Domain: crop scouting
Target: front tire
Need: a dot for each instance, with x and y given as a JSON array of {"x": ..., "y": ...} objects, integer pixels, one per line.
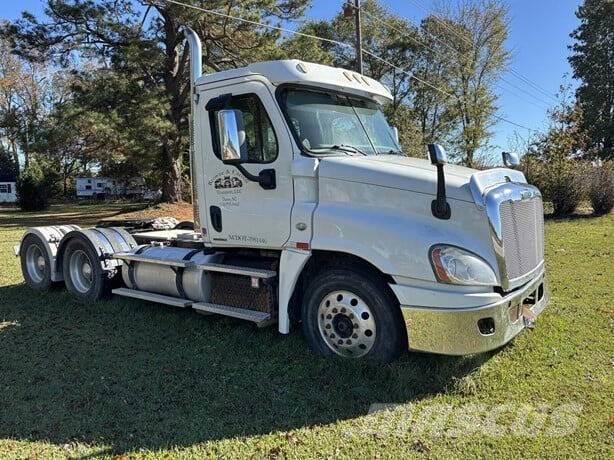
[
  {"x": 352, "y": 315},
  {"x": 83, "y": 275}
]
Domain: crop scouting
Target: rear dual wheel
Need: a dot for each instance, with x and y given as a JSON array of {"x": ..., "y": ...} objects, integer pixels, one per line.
[
  {"x": 35, "y": 263},
  {"x": 83, "y": 275}
]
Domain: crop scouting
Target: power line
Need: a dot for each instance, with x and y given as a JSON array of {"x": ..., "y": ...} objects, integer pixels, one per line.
[
  {"x": 447, "y": 93},
  {"x": 336, "y": 42},
  {"x": 455, "y": 51},
  {"x": 255, "y": 23},
  {"x": 466, "y": 40}
]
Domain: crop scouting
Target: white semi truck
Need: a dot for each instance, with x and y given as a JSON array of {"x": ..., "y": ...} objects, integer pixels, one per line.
[{"x": 308, "y": 212}]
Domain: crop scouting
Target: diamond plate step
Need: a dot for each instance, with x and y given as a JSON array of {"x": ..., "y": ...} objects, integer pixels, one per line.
[
  {"x": 158, "y": 298},
  {"x": 260, "y": 318}
]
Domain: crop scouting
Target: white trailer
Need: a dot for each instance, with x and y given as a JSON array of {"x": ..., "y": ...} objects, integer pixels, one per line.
[
  {"x": 103, "y": 187},
  {"x": 8, "y": 189},
  {"x": 307, "y": 212}
]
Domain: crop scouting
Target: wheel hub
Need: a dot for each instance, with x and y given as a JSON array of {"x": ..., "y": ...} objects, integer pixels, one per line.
[
  {"x": 35, "y": 263},
  {"x": 81, "y": 272},
  {"x": 343, "y": 325},
  {"x": 346, "y": 324},
  {"x": 40, "y": 262}
]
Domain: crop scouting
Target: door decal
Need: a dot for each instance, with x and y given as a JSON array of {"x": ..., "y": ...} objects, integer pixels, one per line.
[{"x": 228, "y": 185}]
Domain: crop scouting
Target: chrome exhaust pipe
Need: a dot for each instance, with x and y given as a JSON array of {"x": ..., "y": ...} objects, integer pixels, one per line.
[{"x": 196, "y": 53}]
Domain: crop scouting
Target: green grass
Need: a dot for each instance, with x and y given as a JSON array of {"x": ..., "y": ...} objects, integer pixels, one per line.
[{"x": 144, "y": 380}]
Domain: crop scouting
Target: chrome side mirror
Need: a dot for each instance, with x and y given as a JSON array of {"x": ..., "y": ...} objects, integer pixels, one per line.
[
  {"x": 231, "y": 136},
  {"x": 510, "y": 159},
  {"x": 437, "y": 154}
]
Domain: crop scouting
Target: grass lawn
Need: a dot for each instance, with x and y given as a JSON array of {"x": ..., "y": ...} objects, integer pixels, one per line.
[{"x": 144, "y": 380}]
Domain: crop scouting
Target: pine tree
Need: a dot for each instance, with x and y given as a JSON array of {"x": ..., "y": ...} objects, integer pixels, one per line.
[{"x": 593, "y": 63}]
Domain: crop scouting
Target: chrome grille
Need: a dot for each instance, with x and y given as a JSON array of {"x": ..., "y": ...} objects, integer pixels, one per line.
[{"x": 522, "y": 235}]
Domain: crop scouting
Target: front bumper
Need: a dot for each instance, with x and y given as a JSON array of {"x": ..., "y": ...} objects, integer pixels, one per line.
[{"x": 463, "y": 331}]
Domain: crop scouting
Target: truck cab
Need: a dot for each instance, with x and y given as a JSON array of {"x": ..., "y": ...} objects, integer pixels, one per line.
[{"x": 302, "y": 191}]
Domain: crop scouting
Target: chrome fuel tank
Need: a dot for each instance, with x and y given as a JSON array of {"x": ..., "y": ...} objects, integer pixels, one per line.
[{"x": 188, "y": 283}]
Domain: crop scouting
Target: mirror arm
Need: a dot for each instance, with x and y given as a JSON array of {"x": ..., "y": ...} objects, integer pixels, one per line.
[
  {"x": 266, "y": 178},
  {"x": 439, "y": 206}
]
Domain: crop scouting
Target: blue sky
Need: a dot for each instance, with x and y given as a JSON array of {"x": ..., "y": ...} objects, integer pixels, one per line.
[{"x": 539, "y": 35}]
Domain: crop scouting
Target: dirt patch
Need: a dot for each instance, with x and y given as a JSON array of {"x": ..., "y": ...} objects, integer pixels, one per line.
[{"x": 180, "y": 211}]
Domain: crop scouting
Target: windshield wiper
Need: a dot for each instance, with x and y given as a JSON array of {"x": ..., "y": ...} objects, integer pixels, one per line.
[
  {"x": 347, "y": 148},
  {"x": 391, "y": 152}
]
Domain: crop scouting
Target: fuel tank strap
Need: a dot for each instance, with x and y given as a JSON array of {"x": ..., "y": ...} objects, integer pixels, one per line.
[
  {"x": 131, "y": 267},
  {"x": 179, "y": 273}
]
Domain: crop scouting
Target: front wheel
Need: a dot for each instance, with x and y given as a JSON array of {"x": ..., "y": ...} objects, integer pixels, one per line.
[{"x": 352, "y": 315}]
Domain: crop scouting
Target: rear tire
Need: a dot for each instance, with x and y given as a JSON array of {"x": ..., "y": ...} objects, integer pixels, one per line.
[
  {"x": 352, "y": 315},
  {"x": 83, "y": 275},
  {"x": 35, "y": 263}
]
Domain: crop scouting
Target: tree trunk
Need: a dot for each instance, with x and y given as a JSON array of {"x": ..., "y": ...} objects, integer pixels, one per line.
[
  {"x": 171, "y": 182},
  {"x": 177, "y": 93}
]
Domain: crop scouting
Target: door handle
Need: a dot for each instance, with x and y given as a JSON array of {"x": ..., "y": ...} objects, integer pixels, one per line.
[
  {"x": 216, "y": 218},
  {"x": 266, "y": 178}
]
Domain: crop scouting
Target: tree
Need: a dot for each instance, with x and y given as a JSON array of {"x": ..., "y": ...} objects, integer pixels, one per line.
[
  {"x": 32, "y": 189},
  {"x": 434, "y": 103},
  {"x": 475, "y": 33},
  {"x": 593, "y": 63},
  {"x": 139, "y": 44},
  {"x": 390, "y": 52},
  {"x": 10, "y": 78},
  {"x": 26, "y": 97},
  {"x": 309, "y": 49},
  {"x": 554, "y": 165},
  {"x": 8, "y": 167}
]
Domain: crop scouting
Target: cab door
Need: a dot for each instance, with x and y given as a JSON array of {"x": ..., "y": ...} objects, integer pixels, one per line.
[{"x": 240, "y": 211}]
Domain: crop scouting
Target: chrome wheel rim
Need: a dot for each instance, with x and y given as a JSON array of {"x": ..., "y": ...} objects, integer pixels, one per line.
[
  {"x": 346, "y": 324},
  {"x": 81, "y": 271},
  {"x": 35, "y": 263}
]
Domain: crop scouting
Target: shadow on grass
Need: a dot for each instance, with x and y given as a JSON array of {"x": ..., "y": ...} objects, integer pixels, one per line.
[
  {"x": 64, "y": 215},
  {"x": 131, "y": 375}
]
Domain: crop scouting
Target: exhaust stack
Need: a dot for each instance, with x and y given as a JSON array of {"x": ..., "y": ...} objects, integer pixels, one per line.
[{"x": 195, "y": 72}]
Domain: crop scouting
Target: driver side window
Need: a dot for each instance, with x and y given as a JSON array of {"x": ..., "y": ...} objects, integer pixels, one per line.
[{"x": 260, "y": 137}]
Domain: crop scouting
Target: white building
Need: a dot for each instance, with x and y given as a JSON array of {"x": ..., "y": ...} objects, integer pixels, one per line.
[{"x": 8, "y": 189}]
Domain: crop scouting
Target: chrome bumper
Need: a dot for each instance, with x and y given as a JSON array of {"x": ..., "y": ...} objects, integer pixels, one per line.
[{"x": 463, "y": 331}]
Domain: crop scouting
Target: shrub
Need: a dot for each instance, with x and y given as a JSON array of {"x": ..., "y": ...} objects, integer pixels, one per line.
[
  {"x": 601, "y": 188},
  {"x": 32, "y": 189},
  {"x": 563, "y": 185},
  {"x": 534, "y": 171}
]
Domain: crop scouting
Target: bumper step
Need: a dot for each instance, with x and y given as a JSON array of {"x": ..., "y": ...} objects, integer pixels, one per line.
[
  {"x": 261, "y": 319},
  {"x": 158, "y": 298}
]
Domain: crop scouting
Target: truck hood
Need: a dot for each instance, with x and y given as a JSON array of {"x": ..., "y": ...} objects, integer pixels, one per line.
[{"x": 399, "y": 172}]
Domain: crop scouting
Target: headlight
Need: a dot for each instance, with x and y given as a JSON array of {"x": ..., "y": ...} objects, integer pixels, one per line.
[{"x": 456, "y": 266}]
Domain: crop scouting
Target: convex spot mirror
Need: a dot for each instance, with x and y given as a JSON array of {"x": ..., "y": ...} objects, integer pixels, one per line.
[
  {"x": 437, "y": 154},
  {"x": 510, "y": 159},
  {"x": 231, "y": 135}
]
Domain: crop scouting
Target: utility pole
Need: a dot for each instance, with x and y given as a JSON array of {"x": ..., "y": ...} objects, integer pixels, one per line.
[{"x": 358, "y": 37}]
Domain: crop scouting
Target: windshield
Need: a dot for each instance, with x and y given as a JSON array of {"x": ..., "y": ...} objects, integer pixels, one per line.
[{"x": 328, "y": 122}]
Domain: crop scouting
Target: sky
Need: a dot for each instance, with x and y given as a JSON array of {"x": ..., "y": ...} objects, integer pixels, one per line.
[{"x": 539, "y": 36}]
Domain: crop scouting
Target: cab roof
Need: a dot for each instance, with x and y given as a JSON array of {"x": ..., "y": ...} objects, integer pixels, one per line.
[{"x": 294, "y": 71}]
